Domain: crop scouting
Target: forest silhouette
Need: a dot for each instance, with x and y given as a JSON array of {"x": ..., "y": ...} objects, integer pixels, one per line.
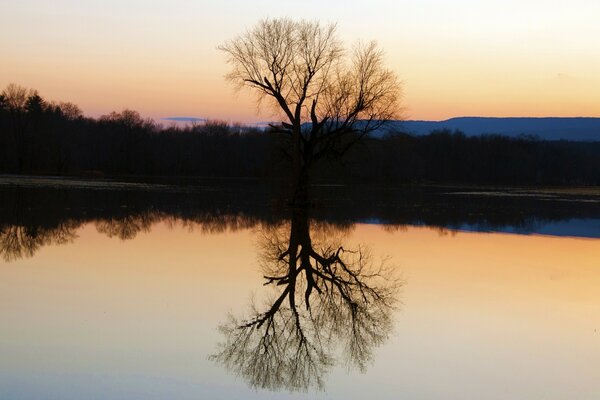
[{"x": 48, "y": 138}]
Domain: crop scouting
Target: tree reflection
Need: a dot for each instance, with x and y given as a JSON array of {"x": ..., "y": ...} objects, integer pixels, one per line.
[
  {"x": 18, "y": 241},
  {"x": 127, "y": 226},
  {"x": 327, "y": 299}
]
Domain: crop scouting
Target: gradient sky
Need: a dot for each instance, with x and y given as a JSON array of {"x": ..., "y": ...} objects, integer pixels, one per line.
[{"x": 486, "y": 58}]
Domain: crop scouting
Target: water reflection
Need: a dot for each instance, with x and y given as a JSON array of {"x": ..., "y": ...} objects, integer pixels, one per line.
[
  {"x": 325, "y": 298},
  {"x": 31, "y": 218},
  {"x": 128, "y": 226},
  {"x": 18, "y": 241},
  {"x": 150, "y": 307}
]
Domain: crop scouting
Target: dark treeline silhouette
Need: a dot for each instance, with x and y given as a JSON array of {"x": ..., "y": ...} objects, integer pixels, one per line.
[
  {"x": 445, "y": 156},
  {"x": 28, "y": 223},
  {"x": 41, "y": 137}
]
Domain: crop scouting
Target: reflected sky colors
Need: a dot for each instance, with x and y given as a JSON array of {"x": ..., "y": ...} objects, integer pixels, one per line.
[
  {"x": 483, "y": 315},
  {"x": 493, "y": 58}
]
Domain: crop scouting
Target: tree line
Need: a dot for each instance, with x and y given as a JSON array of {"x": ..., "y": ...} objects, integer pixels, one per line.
[
  {"x": 28, "y": 224},
  {"x": 42, "y": 137},
  {"x": 452, "y": 157},
  {"x": 38, "y": 136}
]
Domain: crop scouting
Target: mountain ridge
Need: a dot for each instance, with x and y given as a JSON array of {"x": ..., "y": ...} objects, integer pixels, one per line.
[
  {"x": 547, "y": 128},
  {"x": 581, "y": 129}
]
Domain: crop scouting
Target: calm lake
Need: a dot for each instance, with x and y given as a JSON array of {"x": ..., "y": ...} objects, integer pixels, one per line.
[{"x": 131, "y": 291}]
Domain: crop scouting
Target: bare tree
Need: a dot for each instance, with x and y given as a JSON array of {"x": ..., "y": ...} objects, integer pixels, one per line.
[
  {"x": 70, "y": 110},
  {"x": 16, "y": 102},
  {"x": 326, "y": 298},
  {"x": 16, "y": 96},
  {"x": 328, "y": 97}
]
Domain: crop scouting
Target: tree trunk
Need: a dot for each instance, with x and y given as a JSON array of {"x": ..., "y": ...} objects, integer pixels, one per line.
[{"x": 300, "y": 176}]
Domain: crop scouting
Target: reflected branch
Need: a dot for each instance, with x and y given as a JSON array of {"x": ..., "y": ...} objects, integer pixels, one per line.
[{"x": 326, "y": 298}]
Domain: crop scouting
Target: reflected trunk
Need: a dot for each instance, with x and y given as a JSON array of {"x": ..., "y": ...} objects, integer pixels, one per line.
[{"x": 326, "y": 298}]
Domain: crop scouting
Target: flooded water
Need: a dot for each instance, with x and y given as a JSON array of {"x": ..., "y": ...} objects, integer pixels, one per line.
[{"x": 209, "y": 294}]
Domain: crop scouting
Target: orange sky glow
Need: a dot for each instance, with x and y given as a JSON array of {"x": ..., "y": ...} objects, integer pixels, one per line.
[{"x": 464, "y": 58}]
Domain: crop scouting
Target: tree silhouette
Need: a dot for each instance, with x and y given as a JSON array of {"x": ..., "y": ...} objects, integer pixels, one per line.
[
  {"x": 23, "y": 235},
  {"x": 128, "y": 226},
  {"x": 18, "y": 241},
  {"x": 3, "y": 102},
  {"x": 39, "y": 137},
  {"x": 329, "y": 98},
  {"x": 16, "y": 102},
  {"x": 328, "y": 298}
]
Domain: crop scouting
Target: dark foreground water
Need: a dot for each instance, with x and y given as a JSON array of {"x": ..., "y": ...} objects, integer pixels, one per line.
[{"x": 128, "y": 291}]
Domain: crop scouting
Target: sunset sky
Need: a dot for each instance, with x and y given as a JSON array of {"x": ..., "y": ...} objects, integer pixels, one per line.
[{"x": 459, "y": 58}]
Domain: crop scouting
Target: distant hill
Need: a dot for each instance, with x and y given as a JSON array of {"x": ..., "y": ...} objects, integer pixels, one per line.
[
  {"x": 552, "y": 128},
  {"x": 581, "y": 129},
  {"x": 184, "y": 120}
]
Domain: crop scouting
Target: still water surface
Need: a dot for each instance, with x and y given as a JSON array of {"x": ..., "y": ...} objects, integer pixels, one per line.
[{"x": 131, "y": 309}]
